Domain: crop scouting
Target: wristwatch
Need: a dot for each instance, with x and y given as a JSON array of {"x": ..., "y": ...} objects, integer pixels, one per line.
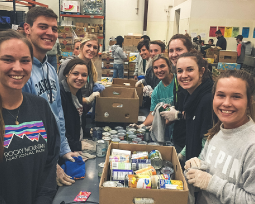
[{"x": 179, "y": 115}]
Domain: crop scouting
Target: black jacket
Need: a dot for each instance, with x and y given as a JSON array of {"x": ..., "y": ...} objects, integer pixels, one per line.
[
  {"x": 198, "y": 109},
  {"x": 222, "y": 43},
  {"x": 72, "y": 118},
  {"x": 150, "y": 78}
]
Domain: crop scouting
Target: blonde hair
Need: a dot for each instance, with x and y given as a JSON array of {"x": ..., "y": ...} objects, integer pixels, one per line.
[
  {"x": 250, "y": 90},
  {"x": 91, "y": 67}
]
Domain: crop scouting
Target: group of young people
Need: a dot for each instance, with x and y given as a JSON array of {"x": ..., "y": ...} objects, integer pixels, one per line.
[{"x": 42, "y": 114}]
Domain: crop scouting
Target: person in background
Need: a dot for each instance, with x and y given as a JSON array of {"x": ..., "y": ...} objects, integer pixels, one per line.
[
  {"x": 193, "y": 75},
  {"x": 77, "y": 43},
  {"x": 225, "y": 171},
  {"x": 210, "y": 42},
  {"x": 199, "y": 37},
  {"x": 76, "y": 73},
  {"x": 88, "y": 50},
  {"x": 145, "y": 37},
  {"x": 29, "y": 136},
  {"x": 52, "y": 54},
  {"x": 119, "y": 56},
  {"x": 41, "y": 30},
  {"x": 21, "y": 29},
  {"x": 196, "y": 44},
  {"x": 143, "y": 59},
  {"x": 178, "y": 45},
  {"x": 240, "y": 50},
  {"x": 205, "y": 47},
  {"x": 222, "y": 43}
]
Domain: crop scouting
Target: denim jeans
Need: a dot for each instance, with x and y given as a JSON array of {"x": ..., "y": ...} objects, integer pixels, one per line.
[
  {"x": 118, "y": 71},
  {"x": 52, "y": 59}
]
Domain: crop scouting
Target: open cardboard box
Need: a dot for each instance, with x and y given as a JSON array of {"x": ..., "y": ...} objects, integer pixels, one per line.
[
  {"x": 123, "y": 83},
  {"x": 113, "y": 195},
  {"x": 228, "y": 56},
  {"x": 117, "y": 104}
]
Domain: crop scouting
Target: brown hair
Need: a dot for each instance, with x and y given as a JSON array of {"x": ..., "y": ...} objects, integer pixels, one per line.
[
  {"x": 91, "y": 67},
  {"x": 162, "y": 56},
  {"x": 72, "y": 63},
  {"x": 35, "y": 12},
  {"x": 160, "y": 44},
  {"x": 250, "y": 90},
  {"x": 200, "y": 62},
  {"x": 186, "y": 41}
]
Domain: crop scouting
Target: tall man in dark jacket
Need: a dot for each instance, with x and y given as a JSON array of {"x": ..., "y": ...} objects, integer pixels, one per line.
[{"x": 221, "y": 40}]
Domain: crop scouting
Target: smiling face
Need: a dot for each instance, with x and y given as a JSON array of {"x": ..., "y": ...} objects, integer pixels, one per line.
[
  {"x": 145, "y": 54},
  {"x": 176, "y": 48},
  {"x": 90, "y": 49},
  {"x": 188, "y": 74},
  {"x": 15, "y": 64},
  {"x": 76, "y": 50},
  {"x": 154, "y": 50},
  {"x": 230, "y": 102},
  {"x": 77, "y": 77},
  {"x": 161, "y": 69}
]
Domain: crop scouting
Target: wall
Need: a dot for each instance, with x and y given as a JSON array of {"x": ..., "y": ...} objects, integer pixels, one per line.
[{"x": 234, "y": 13}]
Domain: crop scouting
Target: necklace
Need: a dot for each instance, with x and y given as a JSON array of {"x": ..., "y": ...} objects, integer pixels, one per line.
[{"x": 16, "y": 121}]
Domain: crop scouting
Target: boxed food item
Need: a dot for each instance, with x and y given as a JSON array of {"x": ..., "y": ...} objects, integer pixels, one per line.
[
  {"x": 126, "y": 66},
  {"x": 136, "y": 39},
  {"x": 209, "y": 60},
  {"x": 65, "y": 41},
  {"x": 71, "y": 6},
  {"x": 107, "y": 64},
  {"x": 129, "y": 83},
  {"x": 107, "y": 72},
  {"x": 117, "y": 104},
  {"x": 116, "y": 194},
  {"x": 65, "y": 35},
  {"x": 125, "y": 73},
  {"x": 131, "y": 66},
  {"x": 65, "y": 29},
  {"x": 107, "y": 56},
  {"x": 213, "y": 52},
  {"x": 228, "y": 56},
  {"x": 130, "y": 48},
  {"x": 66, "y": 54},
  {"x": 231, "y": 66},
  {"x": 133, "y": 56},
  {"x": 66, "y": 48},
  {"x": 128, "y": 40}
]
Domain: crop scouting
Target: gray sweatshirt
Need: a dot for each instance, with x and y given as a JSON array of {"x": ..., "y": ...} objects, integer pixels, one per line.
[
  {"x": 118, "y": 54},
  {"x": 230, "y": 155}
]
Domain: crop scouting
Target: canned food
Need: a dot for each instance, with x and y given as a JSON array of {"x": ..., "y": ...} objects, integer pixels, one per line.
[
  {"x": 101, "y": 148},
  {"x": 140, "y": 133},
  {"x": 114, "y": 136},
  {"x": 123, "y": 142},
  {"x": 121, "y": 136},
  {"x": 122, "y": 131},
  {"x": 107, "y": 141},
  {"x": 165, "y": 107},
  {"x": 130, "y": 137},
  {"x": 113, "y": 132},
  {"x": 120, "y": 185},
  {"x": 132, "y": 130},
  {"x": 154, "y": 143},
  {"x": 147, "y": 137},
  {"x": 106, "y": 134},
  {"x": 129, "y": 133},
  {"x": 156, "y": 159},
  {"x": 97, "y": 133},
  {"x": 100, "y": 169},
  {"x": 109, "y": 184},
  {"x": 136, "y": 140},
  {"x": 118, "y": 128},
  {"x": 107, "y": 128},
  {"x": 115, "y": 140},
  {"x": 142, "y": 142},
  {"x": 132, "y": 142}
]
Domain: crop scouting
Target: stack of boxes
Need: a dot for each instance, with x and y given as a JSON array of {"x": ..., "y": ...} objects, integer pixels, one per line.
[
  {"x": 131, "y": 64},
  {"x": 227, "y": 60},
  {"x": 96, "y": 29},
  {"x": 107, "y": 65},
  {"x": 130, "y": 42},
  {"x": 65, "y": 36}
]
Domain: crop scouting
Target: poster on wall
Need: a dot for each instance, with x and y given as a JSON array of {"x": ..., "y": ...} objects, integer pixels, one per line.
[
  {"x": 254, "y": 33},
  {"x": 235, "y": 32},
  {"x": 228, "y": 32},
  {"x": 245, "y": 32},
  {"x": 222, "y": 29},
  {"x": 212, "y": 31}
]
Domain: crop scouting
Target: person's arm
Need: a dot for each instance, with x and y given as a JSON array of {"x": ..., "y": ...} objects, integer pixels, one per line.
[
  {"x": 121, "y": 53},
  {"x": 47, "y": 186},
  {"x": 239, "y": 46},
  {"x": 148, "y": 120},
  {"x": 228, "y": 192}
]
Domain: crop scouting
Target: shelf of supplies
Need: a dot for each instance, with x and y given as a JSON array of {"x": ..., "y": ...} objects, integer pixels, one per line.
[{"x": 81, "y": 16}]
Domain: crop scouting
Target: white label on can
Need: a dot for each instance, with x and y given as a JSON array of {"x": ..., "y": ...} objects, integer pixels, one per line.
[{"x": 106, "y": 114}]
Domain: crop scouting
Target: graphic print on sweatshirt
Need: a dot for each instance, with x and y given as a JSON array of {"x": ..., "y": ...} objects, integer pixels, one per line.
[
  {"x": 23, "y": 140},
  {"x": 44, "y": 86}
]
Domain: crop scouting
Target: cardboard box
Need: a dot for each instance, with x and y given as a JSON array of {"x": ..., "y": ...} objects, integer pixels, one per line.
[
  {"x": 71, "y": 6},
  {"x": 226, "y": 66},
  {"x": 66, "y": 48},
  {"x": 228, "y": 56},
  {"x": 65, "y": 35},
  {"x": 126, "y": 76},
  {"x": 129, "y": 48},
  {"x": 65, "y": 29},
  {"x": 79, "y": 24},
  {"x": 213, "y": 52},
  {"x": 107, "y": 64},
  {"x": 126, "y": 66},
  {"x": 109, "y": 195},
  {"x": 65, "y": 41},
  {"x": 107, "y": 56},
  {"x": 101, "y": 28},
  {"x": 117, "y": 104},
  {"x": 123, "y": 82},
  {"x": 107, "y": 72},
  {"x": 131, "y": 66},
  {"x": 136, "y": 40},
  {"x": 79, "y": 30},
  {"x": 128, "y": 40}
]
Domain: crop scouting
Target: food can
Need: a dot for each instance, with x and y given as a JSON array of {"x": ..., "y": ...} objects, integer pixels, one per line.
[
  {"x": 156, "y": 159},
  {"x": 107, "y": 134},
  {"x": 114, "y": 136},
  {"x": 97, "y": 133},
  {"x": 165, "y": 107},
  {"x": 109, "y": 184},
  {"x": 107, "y": 141},
  {"x": 140, "y": 133},
  {"x": 101, "y": 148},
  {"x": 123, "y": 142},
  {"x": 121, "y": 136},
  {"x": 100, "y": 169},
  {"x": 122, "y": 131},
  {"x": 142, "y": 142},
  {"x": 118, "y": 128},
  {"x": 136, "y": 140},
  {"x": 154, "y": 143},
  {"x": 147, "y": 137},
  {"x": 113, "y": 132},
  {"x": 132, "y": 130},
  {"x": 130, "y": 137},
  {"x": 116, "y": 140},
  {"x": 107, "y": 128}
]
